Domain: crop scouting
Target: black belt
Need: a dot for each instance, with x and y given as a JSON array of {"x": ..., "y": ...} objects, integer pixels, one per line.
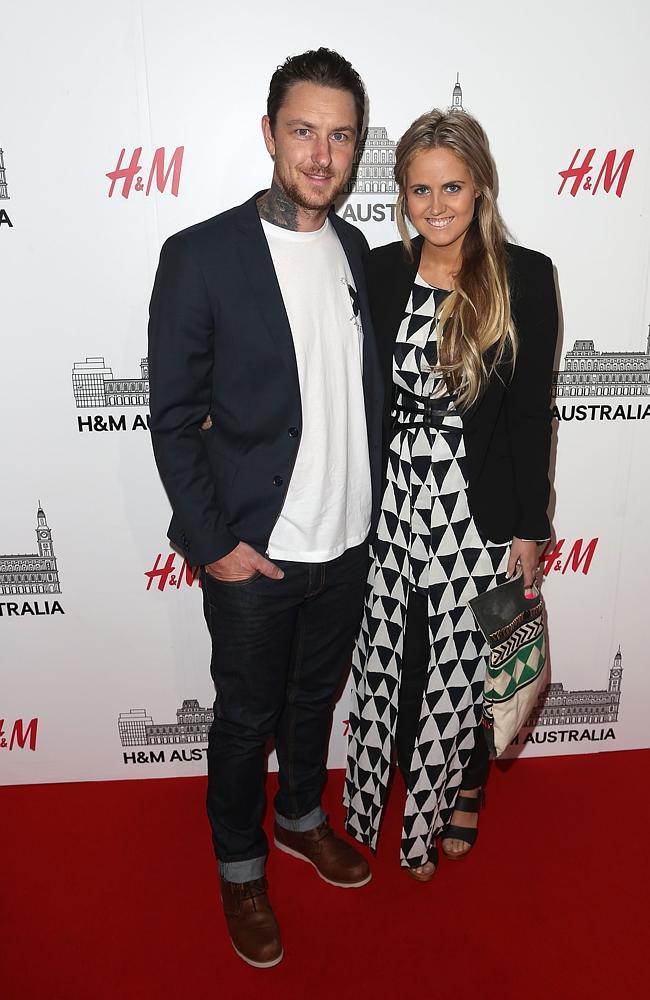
[{"x": 426, "y": 409}]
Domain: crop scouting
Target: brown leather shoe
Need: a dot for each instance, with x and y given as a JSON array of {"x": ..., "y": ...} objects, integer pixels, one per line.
[
  {"x": 252, "y": 926},
  {"x": 336, "y": 861}
]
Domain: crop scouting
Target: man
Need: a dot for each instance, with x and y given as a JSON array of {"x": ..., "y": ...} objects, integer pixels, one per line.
[{"x": 265, "y": 418}]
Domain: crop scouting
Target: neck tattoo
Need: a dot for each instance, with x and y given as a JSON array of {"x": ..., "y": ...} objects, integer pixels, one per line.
[{"x": 277, "y": 208}]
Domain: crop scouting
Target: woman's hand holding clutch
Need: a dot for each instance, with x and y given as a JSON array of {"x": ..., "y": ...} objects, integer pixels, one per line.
[{"x": 525, "y": 554}]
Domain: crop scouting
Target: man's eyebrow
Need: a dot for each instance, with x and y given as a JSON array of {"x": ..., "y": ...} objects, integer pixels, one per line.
[{"x": 305, "y": 124}]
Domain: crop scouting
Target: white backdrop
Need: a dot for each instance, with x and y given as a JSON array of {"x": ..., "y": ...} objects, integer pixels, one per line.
[{"x": 108, "y": 641}]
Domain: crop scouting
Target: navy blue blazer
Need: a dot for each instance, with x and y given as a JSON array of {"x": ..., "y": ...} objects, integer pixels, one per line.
[
  {"x": 220, "y": 344},
  {"x": 508, "y": 430}
]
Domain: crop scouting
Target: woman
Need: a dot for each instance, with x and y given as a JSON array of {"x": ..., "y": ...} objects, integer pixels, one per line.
[{"x": 466, "y": 325}]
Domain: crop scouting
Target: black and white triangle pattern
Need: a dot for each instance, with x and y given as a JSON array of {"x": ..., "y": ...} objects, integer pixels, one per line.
[{"x": 426, "y": 539}]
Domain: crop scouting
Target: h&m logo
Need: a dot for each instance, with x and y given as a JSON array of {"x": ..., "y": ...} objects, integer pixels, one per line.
[
  {"x": 133, "y": 172},
  {"x": 579, "y": 172},
  {"x": 579, "y": 557},
  {"x": 18, "y": 735},
  {"x": 167, "y": 574}
]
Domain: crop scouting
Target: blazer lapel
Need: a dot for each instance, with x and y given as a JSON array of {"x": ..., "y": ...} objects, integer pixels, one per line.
[
  {"x": 390, "y": 293},
  {"x": 354, "y": 260},
  {"x": 373, "y": 385},
  {"x": 398, "y": 291},
  {"x": 257, "y": 264},
  {"x": 371, "y": 368}
]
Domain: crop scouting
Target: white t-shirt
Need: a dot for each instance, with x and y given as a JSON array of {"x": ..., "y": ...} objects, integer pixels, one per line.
[{"x": 328, "y": 504}]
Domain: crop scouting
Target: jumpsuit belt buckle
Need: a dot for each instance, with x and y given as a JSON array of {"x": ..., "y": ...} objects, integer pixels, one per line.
[{"x": 431, "y": 416}]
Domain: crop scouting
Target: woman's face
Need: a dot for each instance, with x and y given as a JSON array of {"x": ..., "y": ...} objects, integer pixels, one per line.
[{"x": 440, "y": 196}]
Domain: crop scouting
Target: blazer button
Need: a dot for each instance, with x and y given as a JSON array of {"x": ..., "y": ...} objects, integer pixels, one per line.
[
  {"x": 293, "y": 432},
  {"x": 278, "y": 480}
]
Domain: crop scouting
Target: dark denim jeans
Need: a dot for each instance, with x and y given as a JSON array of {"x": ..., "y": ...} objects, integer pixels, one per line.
[{"x": 280, "y": 650}]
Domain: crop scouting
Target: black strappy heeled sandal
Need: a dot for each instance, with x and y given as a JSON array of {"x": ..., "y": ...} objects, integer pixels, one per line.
[{"x": 464, "y": 803}]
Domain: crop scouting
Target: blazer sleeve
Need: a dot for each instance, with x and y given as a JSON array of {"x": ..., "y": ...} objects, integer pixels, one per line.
[
  {"x": 528, "y": 396},
  {"x": 181, "y": 346}
]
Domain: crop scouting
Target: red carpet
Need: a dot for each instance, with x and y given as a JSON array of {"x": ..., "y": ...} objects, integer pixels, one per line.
[{"x": 109, "y": 890}]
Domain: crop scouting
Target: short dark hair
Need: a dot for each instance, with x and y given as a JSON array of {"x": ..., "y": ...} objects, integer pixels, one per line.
[{"x": 322, "y": 66}]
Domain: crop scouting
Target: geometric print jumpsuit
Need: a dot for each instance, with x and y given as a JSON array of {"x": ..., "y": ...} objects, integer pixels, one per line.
[{"x": 426, "y": 539}]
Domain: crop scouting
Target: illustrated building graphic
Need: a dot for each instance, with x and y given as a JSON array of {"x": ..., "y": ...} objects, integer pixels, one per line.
[
  {"x": 4, "y": 193},
  {"x": 375, "y": 161},
  {"x": 457, "y": 96},
  {"x": 35, "y": 573},
  {"x": 94, "y": 385},
  {"x": 557, "y": 707},
  {"x": 373, "y": 172},
  {"x": 588, "y": 372},
  {"x": 192, "y": 725}
]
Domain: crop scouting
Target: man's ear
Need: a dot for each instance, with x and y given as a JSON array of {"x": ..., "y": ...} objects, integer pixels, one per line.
[{"x": 267, "y": 132}]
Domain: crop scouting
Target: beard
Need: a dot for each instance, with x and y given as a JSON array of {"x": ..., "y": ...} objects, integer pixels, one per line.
[{"x": 310, "y": 199}]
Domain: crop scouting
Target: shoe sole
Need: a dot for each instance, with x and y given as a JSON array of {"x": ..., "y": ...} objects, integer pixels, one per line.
[
  {"x": 420, "y": 878},
  {"x": 301, "y": 857},
  {"x": 257, "y": 965}
]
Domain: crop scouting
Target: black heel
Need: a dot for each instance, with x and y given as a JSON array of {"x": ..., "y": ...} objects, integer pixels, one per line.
[{"x": 464, "y": 803}]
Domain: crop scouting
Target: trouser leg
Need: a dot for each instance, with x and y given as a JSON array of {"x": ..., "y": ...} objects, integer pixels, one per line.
[
  {"x": 415, "y": 667},
  {"x": 476, "y": 771},
  {"x": 252, "y": 626},
  {"x": 326, "y": 626}
]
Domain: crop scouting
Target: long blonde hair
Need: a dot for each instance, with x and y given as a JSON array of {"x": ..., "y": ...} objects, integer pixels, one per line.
[{"x": 476, "y": 315}]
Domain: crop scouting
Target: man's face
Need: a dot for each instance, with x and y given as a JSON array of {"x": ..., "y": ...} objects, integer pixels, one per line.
[{"x": 313, "y": 143}]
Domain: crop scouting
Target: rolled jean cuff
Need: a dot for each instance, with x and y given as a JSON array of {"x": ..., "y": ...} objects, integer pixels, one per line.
[
  {"x": 242, "y": 871},
  {"x": 304, "y": 823}
]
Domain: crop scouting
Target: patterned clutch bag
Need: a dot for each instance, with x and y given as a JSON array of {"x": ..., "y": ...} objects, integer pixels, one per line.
[{"x": 514, "y": 629}]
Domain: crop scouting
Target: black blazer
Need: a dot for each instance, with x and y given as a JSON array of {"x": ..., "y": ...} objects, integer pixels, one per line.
[
  {"x": 220, "y": 343},
  {"x": 508, "y": 430}
]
